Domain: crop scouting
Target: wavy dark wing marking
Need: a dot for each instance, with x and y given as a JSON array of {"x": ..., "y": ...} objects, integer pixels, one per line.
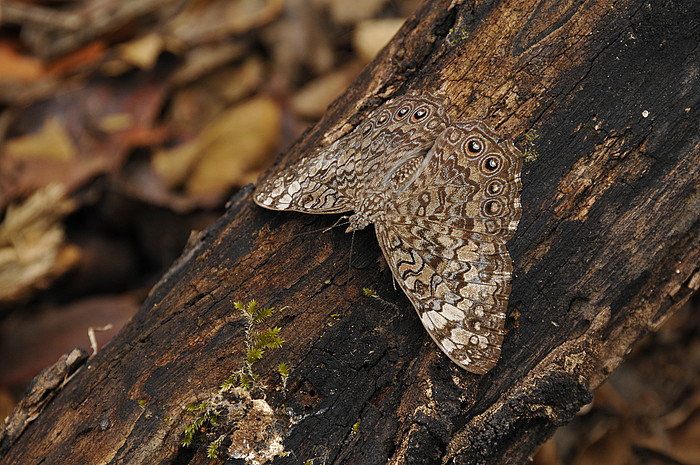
[
  {"x": 444, "y": 237},
  {"x": 461, "y": 301}
]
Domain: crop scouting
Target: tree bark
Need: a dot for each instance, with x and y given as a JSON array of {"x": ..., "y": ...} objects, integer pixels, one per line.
[{"x": 605, "y": 96}]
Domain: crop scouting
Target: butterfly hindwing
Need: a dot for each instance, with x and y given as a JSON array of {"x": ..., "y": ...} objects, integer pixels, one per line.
[
  {"x": 444, "y": 237},
  {"x": 458, "y": 287},
  {"x": 469, "y": 180}
]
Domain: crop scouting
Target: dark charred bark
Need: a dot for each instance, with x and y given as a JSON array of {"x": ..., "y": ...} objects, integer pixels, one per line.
[{"x": 607, "y": 249}]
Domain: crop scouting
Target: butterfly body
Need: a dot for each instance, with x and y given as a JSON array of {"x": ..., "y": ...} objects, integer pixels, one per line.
[{"x": 444, "y": 198}]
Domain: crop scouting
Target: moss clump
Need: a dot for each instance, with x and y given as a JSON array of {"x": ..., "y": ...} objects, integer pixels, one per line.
[{"x": 233, "y": 415}]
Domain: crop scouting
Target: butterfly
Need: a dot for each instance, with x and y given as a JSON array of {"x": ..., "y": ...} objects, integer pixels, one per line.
[{"x": 444, "y": 198}]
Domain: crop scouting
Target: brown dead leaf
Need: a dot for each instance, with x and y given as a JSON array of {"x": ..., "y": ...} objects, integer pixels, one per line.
[
  {"x": 217, "y": 19},
  {"x": 352, "y": 11},
  {"x": 18, "y": 68},
  {"x": 227, "y": 150},
  {"x": 196, "y": 104},
  {"x": 204, "y": 59},
  {"x": 116, "y": 122},
  {"x": 85, "y": 58},
  {"x": 86, "y": 132},
  {"x": 613, "y": 447},
  {"x": 686, "y": 440},
  {"x": 33, "y": 251},
  {"x": 50, "y": 142},
  {"x": 373, "y": 34},
  {"x": 240, "y": 82},
  {"x": 300, "y": 41},
  {"x": 313, "y": 99},
  {"x": 143, "y": 51}
]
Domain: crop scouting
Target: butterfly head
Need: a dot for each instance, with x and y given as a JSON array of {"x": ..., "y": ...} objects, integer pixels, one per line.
[
  {"x": 357, "y": 221},
  {"x": 369, "y": 210}
]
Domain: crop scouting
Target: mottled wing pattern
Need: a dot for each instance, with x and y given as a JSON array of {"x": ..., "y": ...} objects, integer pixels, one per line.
[
  {"x": 444, "y": 197},
  {"x": 471, "y": 181},
  {"x": 444, "y": 238},
  {"x": 338, "y": 178},
  {"x": 300, "y": 187},
  {"x": 460, "y": 292},
  {"x": 399, "y": 130}
]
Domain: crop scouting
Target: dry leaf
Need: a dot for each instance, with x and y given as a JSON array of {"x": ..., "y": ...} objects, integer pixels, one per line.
[
  {"x": 50, "y": 142},
  {"x": 116, "y": 122},
  {"x": 352, "y": 11},
  {"x": 227, "y": 150},
  {"x": 85, "y": 133},
  {"x": 300, "y": 41},
  {"x": 18, "y": 68},
  {"x": 142, "y": 52},
  {"x": 239, "y": 141},
  {"x": 204, "y": 59},
  {"x": 217, "y": 19},
  {"x": 196, "y": 104},
  {"x": 241, "y": 81},
  {"x": 85, "y": 58},
  {"x": 686, "y": 440},
  {"x": 33, "y": 251},
  {"x": 313, "y": 99},
  {"x": 373, "y": 34}
]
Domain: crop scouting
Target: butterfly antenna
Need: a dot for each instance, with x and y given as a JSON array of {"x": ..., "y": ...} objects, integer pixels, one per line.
[
  {"x": 340, "y": 222},
  {"x": 352, "y": 242}
]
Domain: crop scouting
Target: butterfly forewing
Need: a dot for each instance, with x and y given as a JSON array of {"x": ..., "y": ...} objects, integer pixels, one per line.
[
  {"x": 338, "y": 177},
  {"x": 308, "y": 193},
  {"x": 400, "y": 130}
]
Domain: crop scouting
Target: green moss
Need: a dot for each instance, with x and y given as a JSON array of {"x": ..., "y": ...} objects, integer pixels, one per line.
[
  {"x": 208, "y": 416},
  {"x": 213, "y": 447},
  {"x": 373, "y": 294},
  {"x": 530, "y": 154},
  {"x": 455, "y": 36},
  {"x": 241, "y": 384},
  {"x": 283, "y": 370}
]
